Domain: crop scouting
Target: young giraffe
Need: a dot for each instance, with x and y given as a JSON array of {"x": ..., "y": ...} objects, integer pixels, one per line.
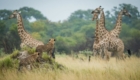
[{"x": 26, "y": 38}]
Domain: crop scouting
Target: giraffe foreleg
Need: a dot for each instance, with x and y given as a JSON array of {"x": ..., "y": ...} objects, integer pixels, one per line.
[
  {"x": 107, "y": 54},
  {"x": 95, "y": 53}
]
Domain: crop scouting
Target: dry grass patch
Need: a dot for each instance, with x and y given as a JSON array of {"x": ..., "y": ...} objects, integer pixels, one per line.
[{"x": 81, "y": 70}]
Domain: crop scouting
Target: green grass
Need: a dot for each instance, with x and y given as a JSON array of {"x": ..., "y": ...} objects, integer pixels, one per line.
[
  {"x": 14, "y": 54},
  {"x": 7, "y": 62}
]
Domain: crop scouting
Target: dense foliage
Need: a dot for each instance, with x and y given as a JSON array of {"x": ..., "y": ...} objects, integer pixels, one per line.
[{"x": 74, "y": 34}]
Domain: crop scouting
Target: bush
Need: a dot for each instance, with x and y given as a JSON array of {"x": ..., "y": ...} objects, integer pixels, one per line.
[
  {"x": 11, "y": 61},
  {"x": 14, "y": 54},
  {"x": 50, "y": 63},
  {"x": 8, "y": 62},
  {"x": 2, "y": 52}
]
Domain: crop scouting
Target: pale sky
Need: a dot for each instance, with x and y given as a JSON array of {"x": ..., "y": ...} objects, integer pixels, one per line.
[{"x": 56, "y": 10}]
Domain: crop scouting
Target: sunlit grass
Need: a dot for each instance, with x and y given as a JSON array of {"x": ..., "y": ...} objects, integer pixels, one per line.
[{"x": 81, "y": 69}]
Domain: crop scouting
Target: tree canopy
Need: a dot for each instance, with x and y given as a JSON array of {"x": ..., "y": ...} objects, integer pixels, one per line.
[{"x": 74, "y": 34}]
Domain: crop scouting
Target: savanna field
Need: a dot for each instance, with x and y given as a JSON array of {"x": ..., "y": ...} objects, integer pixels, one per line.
[
  {"x": 72, "y": 35},
  {"x": 75, "y": 68}
]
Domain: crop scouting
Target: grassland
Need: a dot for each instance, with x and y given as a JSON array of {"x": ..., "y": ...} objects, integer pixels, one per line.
[{"x": 81, "y": 69}]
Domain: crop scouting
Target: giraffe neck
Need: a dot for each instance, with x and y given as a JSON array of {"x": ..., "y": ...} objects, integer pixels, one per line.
[
  {"x": 102, "y": 29},
  {"x": 97, "y": 32},
  {"x": 119, "y": 21},
  {"x": 102, "y": 19},
  {"x": 21, "y": 30},
  {"x": 116, "y": 31}
]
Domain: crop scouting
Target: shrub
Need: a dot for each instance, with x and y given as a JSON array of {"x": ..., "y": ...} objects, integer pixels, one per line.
[
  {"x": 14, "y": 54},
  {"x": 6, "y": 62},
  {"x": 50, "y": 63}
]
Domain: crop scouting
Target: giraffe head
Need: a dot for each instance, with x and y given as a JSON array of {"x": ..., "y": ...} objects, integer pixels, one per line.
[
  {"x": 125, "y": 12},
  {"x": 14, "y": 14},
  {"x": 96, "y": 12}
]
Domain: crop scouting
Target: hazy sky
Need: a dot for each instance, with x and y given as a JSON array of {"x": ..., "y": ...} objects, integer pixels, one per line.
[{"x": 56, "y": 10}]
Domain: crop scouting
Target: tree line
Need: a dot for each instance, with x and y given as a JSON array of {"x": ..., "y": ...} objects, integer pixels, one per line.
[{"x": 74, "y": 34}]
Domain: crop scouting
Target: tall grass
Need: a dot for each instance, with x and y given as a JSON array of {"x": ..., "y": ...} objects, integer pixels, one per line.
[{"x": 78, "y": 69}]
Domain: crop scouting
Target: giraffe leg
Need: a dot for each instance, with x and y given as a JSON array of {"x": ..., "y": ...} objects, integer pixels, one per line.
[
  {"x": 108, "y": 55},
  {"x": 101, "y": 54},
  {"x": 119, "y": 56},
  {"x": 94, "y": 53},
  {"x": 122, "y": 56},
  {"x": 106, "y": 52}
]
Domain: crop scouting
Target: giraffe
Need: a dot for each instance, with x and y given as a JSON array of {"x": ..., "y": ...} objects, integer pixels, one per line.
[
  {"x": 101, "y": 26},
  {"x": 117, "y": 29},
  {"x": 96, "y": 41},
  {"x": 112, "y": 44},
  {"x": 107, "y": 45},
  {"x": 107, "y": 41},
  {"x": 26, "y": 38},
  {"x": 99, "y": 31}
]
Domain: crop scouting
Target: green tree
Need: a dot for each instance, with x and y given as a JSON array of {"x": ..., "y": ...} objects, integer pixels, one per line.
[
  {"x": 38, "y": 26},
  {"x": 4, "y": 14},
  {"x": 81, "y": 14},
  {"x": 131, "y": 9},
  {"x": 28, "y": 13}
]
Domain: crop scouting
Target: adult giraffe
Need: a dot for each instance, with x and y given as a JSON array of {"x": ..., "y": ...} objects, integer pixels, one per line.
[
  {"x": 107, "y": 41},
  {"x": 117, "y": 29},
  {"x": 100, "y": 31},
  {"x": 26, "y": 38}
]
